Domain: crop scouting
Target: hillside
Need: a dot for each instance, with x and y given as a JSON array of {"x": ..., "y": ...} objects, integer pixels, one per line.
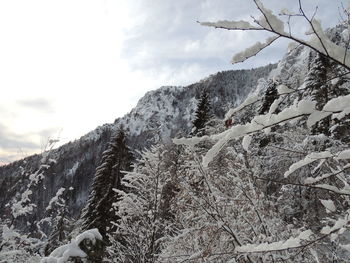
[{"x": 159, "y": 115}]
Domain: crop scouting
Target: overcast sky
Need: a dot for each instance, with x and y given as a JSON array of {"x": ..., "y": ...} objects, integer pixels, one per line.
[{"x": 67, "y": 66}]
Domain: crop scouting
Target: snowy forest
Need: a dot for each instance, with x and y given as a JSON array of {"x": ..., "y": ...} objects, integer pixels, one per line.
[{"x": 244, "y": 166}]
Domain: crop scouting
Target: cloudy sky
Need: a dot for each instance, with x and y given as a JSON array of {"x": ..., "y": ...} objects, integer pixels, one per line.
[{"x": 67, "y": 66}]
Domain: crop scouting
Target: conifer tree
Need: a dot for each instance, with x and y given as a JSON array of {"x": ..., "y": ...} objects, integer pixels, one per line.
[
  {"x": 319, "y": 87},
  {"x": 203, "y": 114},
  {"x": 116, "y": 159},
  {"x": 271, "y": 95}
]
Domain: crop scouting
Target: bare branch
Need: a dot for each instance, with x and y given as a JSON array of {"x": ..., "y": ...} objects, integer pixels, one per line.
[
  {"x": 310, "y": 21},
  {"x": 287, "y": 150}
]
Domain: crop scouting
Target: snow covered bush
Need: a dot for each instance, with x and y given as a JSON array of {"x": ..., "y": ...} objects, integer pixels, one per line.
[
  {"x": 220, "y": 209},
  {"x": 80, "y": 247}
]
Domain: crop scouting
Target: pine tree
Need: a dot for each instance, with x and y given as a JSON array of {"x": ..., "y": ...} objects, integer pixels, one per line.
[
  {"x": 323, "y": 90},
  {"x": 271, "y": 95},
  {"x": 203, "y": 114},
  {"x": 116, "y": 159},
  {"x": 319, "y": 87}
]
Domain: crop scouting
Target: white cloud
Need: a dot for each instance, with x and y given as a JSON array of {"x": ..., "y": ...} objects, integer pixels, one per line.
[{"x": 60, "y": 65}]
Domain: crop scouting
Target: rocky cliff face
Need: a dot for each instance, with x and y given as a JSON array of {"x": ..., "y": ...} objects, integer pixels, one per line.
[{"x": 159, "y": 115}]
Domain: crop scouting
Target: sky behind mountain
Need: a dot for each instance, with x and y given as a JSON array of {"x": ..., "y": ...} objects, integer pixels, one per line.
[{"x": 68, "y": 66}]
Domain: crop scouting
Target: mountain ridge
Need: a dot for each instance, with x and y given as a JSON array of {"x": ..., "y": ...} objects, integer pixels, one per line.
[{"x": 158, "y": 116}]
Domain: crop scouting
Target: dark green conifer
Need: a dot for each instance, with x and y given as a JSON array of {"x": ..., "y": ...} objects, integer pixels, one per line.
[
  {"x": 317, "y": 82},
  {"x": 271, "y": 95},
  {"x": 202, "y": 114},
  {"x": 98, "y": 212}
]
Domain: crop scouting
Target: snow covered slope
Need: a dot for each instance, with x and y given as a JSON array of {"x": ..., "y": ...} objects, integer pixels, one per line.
[{"x": 159, "y": 115}]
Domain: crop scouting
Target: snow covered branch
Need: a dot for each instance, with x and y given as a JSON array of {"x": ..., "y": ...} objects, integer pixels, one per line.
[
  {"x": 269, "y": 22},
  {"x": 253, "y": 50},
  {"x": 319, "y": 106},
  {"x": 337, "y": 106}
]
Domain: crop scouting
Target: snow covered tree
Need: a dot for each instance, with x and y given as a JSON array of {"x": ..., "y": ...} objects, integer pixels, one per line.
[
  {"x": 98, "y": 212},
  {"x": 59, "y": 220},
  {"x": 202, "y": 114},
  {"x": 318, "y": 173},
  {"x": 144, "y": 211},
  {"x": 270, "y": 96},
  {"x": 271, "y": 188},
  {"x": 15, "y": 244},
  {"x": 220, "y": 208}
]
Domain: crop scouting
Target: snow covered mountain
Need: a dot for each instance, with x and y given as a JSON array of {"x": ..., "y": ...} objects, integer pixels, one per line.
[
  {"x": 159, "y": 115},
  {"x": 258, "y": 182}
]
